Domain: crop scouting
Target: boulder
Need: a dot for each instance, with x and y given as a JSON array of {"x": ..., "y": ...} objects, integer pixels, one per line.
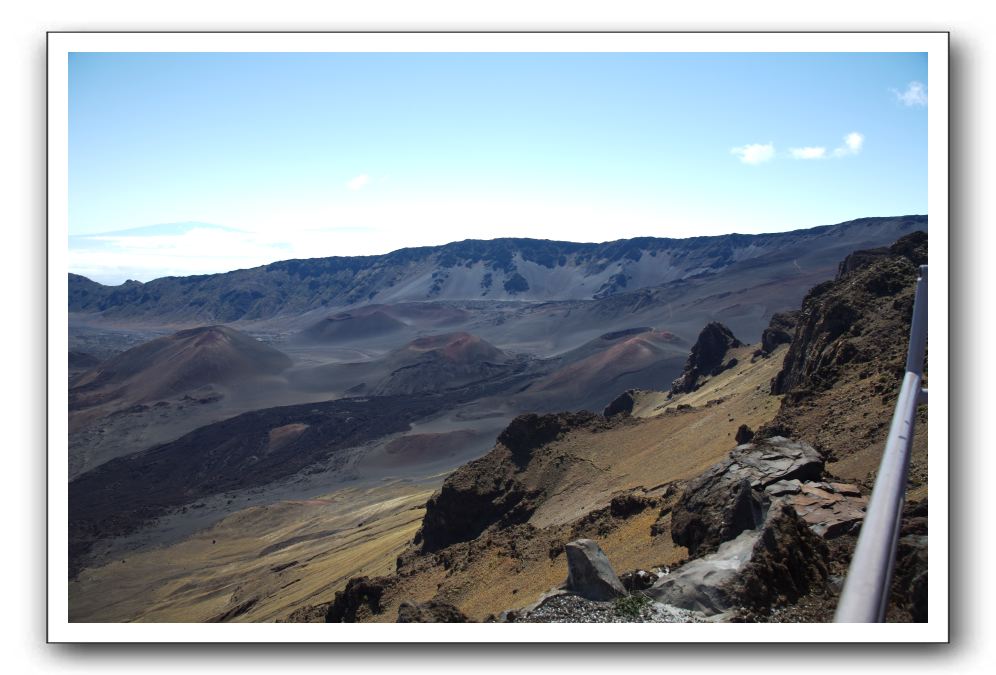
[
  {"x": 702, "y": 585},
  {"x": 430, "y": 612},
  {"x": 706, "y": 357},
  {"x": 777, "y": 563},
  {"x": 730, "y": 498},
  {"x": 744, "y": 435},
  {"x": 589, "y": 573},
  {"x": 787, "y": 562}
]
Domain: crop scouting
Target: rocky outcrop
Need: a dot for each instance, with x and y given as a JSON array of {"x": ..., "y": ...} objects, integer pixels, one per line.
[
  {"x": 830, "y": 509},
  {"x": 360, "y": 599},
  {"x": 589, "y": 573},
  {"x": 787, "y": 561},
  {"x": 862, "y": 316},
  {"x": 744, "y": 434},
  {"x": 487, "y": 491},
  {"x": 729, "y": 497},
  {"x": 779, "y": 330},
  {"x": 707, "y": 356},
  {"x": 621, "y": 405},
  {"x": 774, "y": 564},
  {"x": 430, "y": 612}
]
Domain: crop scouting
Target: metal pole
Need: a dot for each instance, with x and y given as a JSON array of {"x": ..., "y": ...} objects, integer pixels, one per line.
[{"x": 866, "y": 591}]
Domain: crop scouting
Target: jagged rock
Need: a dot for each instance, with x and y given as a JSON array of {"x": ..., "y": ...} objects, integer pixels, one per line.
[
  {"x": 706, "y": 357},
  {"x": 855, "y": 318},
  {"x": 624, "y": 506},
  {"x": 779, "y": 330},
  {"x": 729, "y": 497},
  {"x": 830, "y": 511},
  {"x": 638, "y": 580},
  {"x": 621, "y": 405},
  {"x": 777, "y": 563},
  {"x": 527, "y": 432},
  {"x": 487, "y": 492},
  {"x": 744, "y": 434},
  {"x": 589, "y": 573},
  {"x": 362, "y": 595},
  {"x": 786, "y": 562},
  {"x": 430, "y": 612}
]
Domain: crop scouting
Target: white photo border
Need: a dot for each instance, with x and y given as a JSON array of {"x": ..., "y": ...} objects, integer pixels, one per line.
[{"x": 61, "y": 44}]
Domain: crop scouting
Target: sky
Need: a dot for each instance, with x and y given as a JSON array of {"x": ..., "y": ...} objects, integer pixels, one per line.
[{"x": 189, "y": 163}]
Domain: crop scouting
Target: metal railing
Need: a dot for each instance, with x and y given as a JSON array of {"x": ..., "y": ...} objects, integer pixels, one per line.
[{"x": 869, "y": 580}]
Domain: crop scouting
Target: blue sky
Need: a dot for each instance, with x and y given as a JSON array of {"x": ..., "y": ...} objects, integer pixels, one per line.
[{"x": 242, "y": 159}]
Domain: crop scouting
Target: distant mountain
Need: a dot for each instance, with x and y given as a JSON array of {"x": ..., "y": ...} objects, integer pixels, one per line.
[
  {"x": 175, "y": 364},
  {"x": 499, "y": 269}
]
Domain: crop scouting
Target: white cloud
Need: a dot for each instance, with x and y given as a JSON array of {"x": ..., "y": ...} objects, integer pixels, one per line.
[
  {"x": 853, "y": 142},
  {"x": 915, "y": 94},
  {"x": 755, "y": 153},
  {"x": 808, "y": 153},
  {"x": 358, "y": 183}
]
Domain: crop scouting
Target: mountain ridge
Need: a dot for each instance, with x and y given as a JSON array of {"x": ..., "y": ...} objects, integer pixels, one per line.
[{"x": 498, "y": 269}]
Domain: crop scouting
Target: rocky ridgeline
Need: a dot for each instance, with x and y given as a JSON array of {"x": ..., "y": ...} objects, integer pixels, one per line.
[
  {"x": 779, "y": 331},
  {"x": 707, "y": 357},
  {"x": 862, "y": 317},
  {"x": 765, "y": 529}
]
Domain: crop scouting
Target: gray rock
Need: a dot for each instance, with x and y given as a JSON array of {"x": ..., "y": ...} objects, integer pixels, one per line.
[
  {"x": 784, "y": 487},
  {"x": 589, "y": 573},
  {"x": 730, "y": 497},
  {"x": 778, "y": 562},
  {"x": 703, "y": 585}
]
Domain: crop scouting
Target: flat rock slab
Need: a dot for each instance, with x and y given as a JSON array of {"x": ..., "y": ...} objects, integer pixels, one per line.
[{"x": 830, "y": 510}]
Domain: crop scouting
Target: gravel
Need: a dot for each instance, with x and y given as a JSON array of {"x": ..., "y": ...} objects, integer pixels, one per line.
[{"x": 569, "y": 608}]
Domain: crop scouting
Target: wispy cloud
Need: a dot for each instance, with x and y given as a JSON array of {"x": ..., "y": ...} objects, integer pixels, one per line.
[
  {"x": 755, "y": 153},
  {"x": 358, "y": 183},
  {"x": 808, "y": 153},
  {"x": 914, "y": 96}
]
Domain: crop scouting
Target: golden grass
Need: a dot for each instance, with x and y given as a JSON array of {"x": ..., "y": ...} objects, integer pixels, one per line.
[{"x": 348, "y": 533}]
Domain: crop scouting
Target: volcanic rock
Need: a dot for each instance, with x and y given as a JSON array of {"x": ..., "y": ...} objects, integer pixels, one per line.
[
  {"x": 361, "y": 596},
  {"x": 787, "y": 561},
  {"x": 430, "y": 612},
  {"x": 779, "y": 330},
  {"x": 621, "y": 405},
  {"x": 860, "y": 317},
  {"x": 774, "y": 564},
  {"x": 744, "y": 434},
  {"x": 706, "y": 357},
  {"x": 830, "y": 511},
  {"x": 589, "y": 573},
  {"x": 486, "y": 491},
  {"x": 527, "y": 432},
  {"x": 729, "y": 497}
]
